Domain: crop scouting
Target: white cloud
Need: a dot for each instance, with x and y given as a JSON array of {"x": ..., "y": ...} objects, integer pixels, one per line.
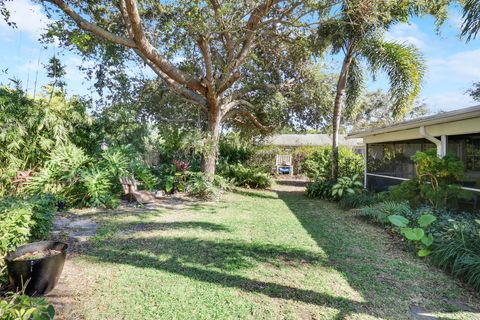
[
  {"x": 450, "y": 100},
  {"x": 456, "y": 68},
  {"x": 408, "y": 33},
  {"x": 28, "y": 17}
]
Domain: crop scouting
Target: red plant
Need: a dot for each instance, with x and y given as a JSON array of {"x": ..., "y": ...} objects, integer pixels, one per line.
[{"x": 182, "y": 166}]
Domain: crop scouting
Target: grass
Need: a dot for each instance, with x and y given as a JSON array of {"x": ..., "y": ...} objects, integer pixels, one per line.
[{"x": 257, "y": 255}]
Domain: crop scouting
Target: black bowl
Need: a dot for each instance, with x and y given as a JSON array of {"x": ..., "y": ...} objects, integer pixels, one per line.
[{"x": 42, "y": 274}]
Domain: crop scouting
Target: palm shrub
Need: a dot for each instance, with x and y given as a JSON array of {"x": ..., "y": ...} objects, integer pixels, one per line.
[{"x": 360, "y": 199}]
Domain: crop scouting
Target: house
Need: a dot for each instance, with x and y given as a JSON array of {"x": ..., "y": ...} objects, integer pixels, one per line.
[
  {"x": 389, "y": 149},
  {"x": 300, "y": 140}
]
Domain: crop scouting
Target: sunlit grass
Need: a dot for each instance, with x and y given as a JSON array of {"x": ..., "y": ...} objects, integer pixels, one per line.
[{"x": 255, "y": 255}]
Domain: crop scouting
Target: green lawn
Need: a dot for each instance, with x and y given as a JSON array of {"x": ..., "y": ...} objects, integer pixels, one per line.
[{"x": 257, "y": 255}]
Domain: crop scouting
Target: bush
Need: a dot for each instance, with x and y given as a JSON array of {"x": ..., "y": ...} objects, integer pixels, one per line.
[
  {"x": 321, "y": 189},
  {"x": 233, "y": 149},
  {"x": 346, "y": 185},
  {"x": 457, "y": 248},
  {"x": 202, "y": 188},
  {"x": 246, "y": 177},
  {"x": 21, "y": 307},
  {"x": 319, "y": 163},
  {"x": 380, "y": 212},
  {"x": 361, "y": 199},
  {"x": 437, "y": 182}
]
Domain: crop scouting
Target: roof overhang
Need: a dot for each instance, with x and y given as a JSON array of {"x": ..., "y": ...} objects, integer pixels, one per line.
[{"x": 444, "y": 117}]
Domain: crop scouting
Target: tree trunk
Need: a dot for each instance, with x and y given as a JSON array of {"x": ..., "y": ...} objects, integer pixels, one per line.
[
  {"x": 338, "y": 106},
  {"x": 209, "y": 160}
]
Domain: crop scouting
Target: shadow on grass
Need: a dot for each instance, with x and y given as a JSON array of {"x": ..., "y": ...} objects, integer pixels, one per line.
[
  {"x": 201, "y": 259},
  {"x": 135, "y": 226},
  {"x": 254, "y": 194}
]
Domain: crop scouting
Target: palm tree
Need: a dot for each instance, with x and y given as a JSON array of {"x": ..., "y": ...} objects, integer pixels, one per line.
[
  {"x": 471, "y": 19},
  {"x": 357, "y": 32}
]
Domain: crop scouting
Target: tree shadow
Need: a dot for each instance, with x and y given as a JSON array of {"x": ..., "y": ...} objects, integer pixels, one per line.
[
  {"x": 254, "y": 194},
  {"x": 367, "y": 269},
  {"x": 214, "y": 262},
  {"x": 135, "y": 226}
]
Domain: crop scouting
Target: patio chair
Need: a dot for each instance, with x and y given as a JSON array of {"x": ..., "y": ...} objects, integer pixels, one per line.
[
  {"x": 129, "y": 186},
  {"x": 284, "y": 163}
]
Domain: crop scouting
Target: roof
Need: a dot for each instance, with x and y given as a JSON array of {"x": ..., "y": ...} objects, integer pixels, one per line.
[
  {"x": 443, "y": 117},
  {"x": 297, "y": 140}
]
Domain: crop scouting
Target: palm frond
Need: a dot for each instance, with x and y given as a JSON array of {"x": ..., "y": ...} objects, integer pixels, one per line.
[
  {"x": 471, "y": 19},
  {"x": 403, "y": 64},
  {"x": 355, "y": 83}
]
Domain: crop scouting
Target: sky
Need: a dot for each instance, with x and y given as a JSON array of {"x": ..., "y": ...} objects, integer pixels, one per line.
[{"x": 453, "y": 65}]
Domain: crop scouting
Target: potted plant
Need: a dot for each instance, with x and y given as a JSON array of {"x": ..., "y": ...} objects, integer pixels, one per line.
[{"x": 36, "y": 267}]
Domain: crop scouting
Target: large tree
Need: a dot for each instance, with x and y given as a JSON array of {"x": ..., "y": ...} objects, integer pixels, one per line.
[
  {"x": 357, "y": 33},
  {"x": 208, "y": 52}
]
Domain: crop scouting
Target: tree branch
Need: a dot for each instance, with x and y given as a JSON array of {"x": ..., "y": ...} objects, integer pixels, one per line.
[
  {"x": 231, "y": 112},
  {"x": 88, "y": 26},
  {"x": 150, "y": 52}
]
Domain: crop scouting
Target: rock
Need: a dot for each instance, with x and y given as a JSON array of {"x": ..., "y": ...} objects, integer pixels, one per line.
[{"x": 61, "y": 222}]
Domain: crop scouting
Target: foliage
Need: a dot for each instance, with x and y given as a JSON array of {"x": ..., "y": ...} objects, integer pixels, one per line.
[
  {"x": 235, "y": 149},
  {"x": 344, "y": 185},
  {"x": 319, "y": 163},
  {"x": 471, "y": 19},
  {"x": 33, "y": 128},
  {"x": 437, "y": 181},
  {"x": 18, "y": 306},
  {"x": 22, "y": 220},
  {"x": 360, "y": 199},
  {"x": 321, "y": 189},
  {"x": 380, "y": 212},
  {"x": 458, "y": 250},
  {"x": 246, "y": 177},
  {"x": 474, "y": 91},
  {"x": 418, "y": 234},
  {"x": 203, "y": 188}
]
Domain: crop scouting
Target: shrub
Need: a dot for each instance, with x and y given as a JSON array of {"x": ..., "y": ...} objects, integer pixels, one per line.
[
  {"x": 202, "y": 188},
  {"x": 380, "y": 212},
  {"x": 457, "y": 249},
  {"x": 346, "y": 185},
  {"x": 233, "y": 149},
  {"x": 321, "y": 189},
  {"x": 319, "y": 163},
  {"x": 361, "y": 199},
  {"x": 246, "y": 177},
  {"x": 22, "y": 220},
  {"x": 437, "y": 181},
  {"x": 19, "y": 306}
]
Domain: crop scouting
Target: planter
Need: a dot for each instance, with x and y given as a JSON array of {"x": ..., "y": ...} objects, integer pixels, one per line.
[{"x": 41, "y": 272}]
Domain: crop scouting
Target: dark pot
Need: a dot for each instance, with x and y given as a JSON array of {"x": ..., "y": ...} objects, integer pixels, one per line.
[{"x": 43, "y": 273}]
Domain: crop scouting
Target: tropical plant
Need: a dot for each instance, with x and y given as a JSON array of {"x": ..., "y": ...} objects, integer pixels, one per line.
[
  {"x": 18, "y": 306},
  {"x": 457, "y": 249},
  {"x": 380, "y": 212},
  {"x": 346, "y": 185},
  {"x": 321, "y": 189},
  {"x": 357, "y": 31},
  {"x": 418, "y": 233},
  {"x": 471, "y": 19},
  {"x": 360, "y": 199},
  {"x": 246, "y": 177},
  {"x": 318, "y": 164}
]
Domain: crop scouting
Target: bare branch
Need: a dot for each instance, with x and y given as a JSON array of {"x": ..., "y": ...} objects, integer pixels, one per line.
[{"x": 232, "y": 113}]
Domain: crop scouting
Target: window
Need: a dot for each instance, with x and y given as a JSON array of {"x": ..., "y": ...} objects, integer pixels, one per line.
[
  {"x": 394, "y": 158},
  {"x": 467, "y": 149}
]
